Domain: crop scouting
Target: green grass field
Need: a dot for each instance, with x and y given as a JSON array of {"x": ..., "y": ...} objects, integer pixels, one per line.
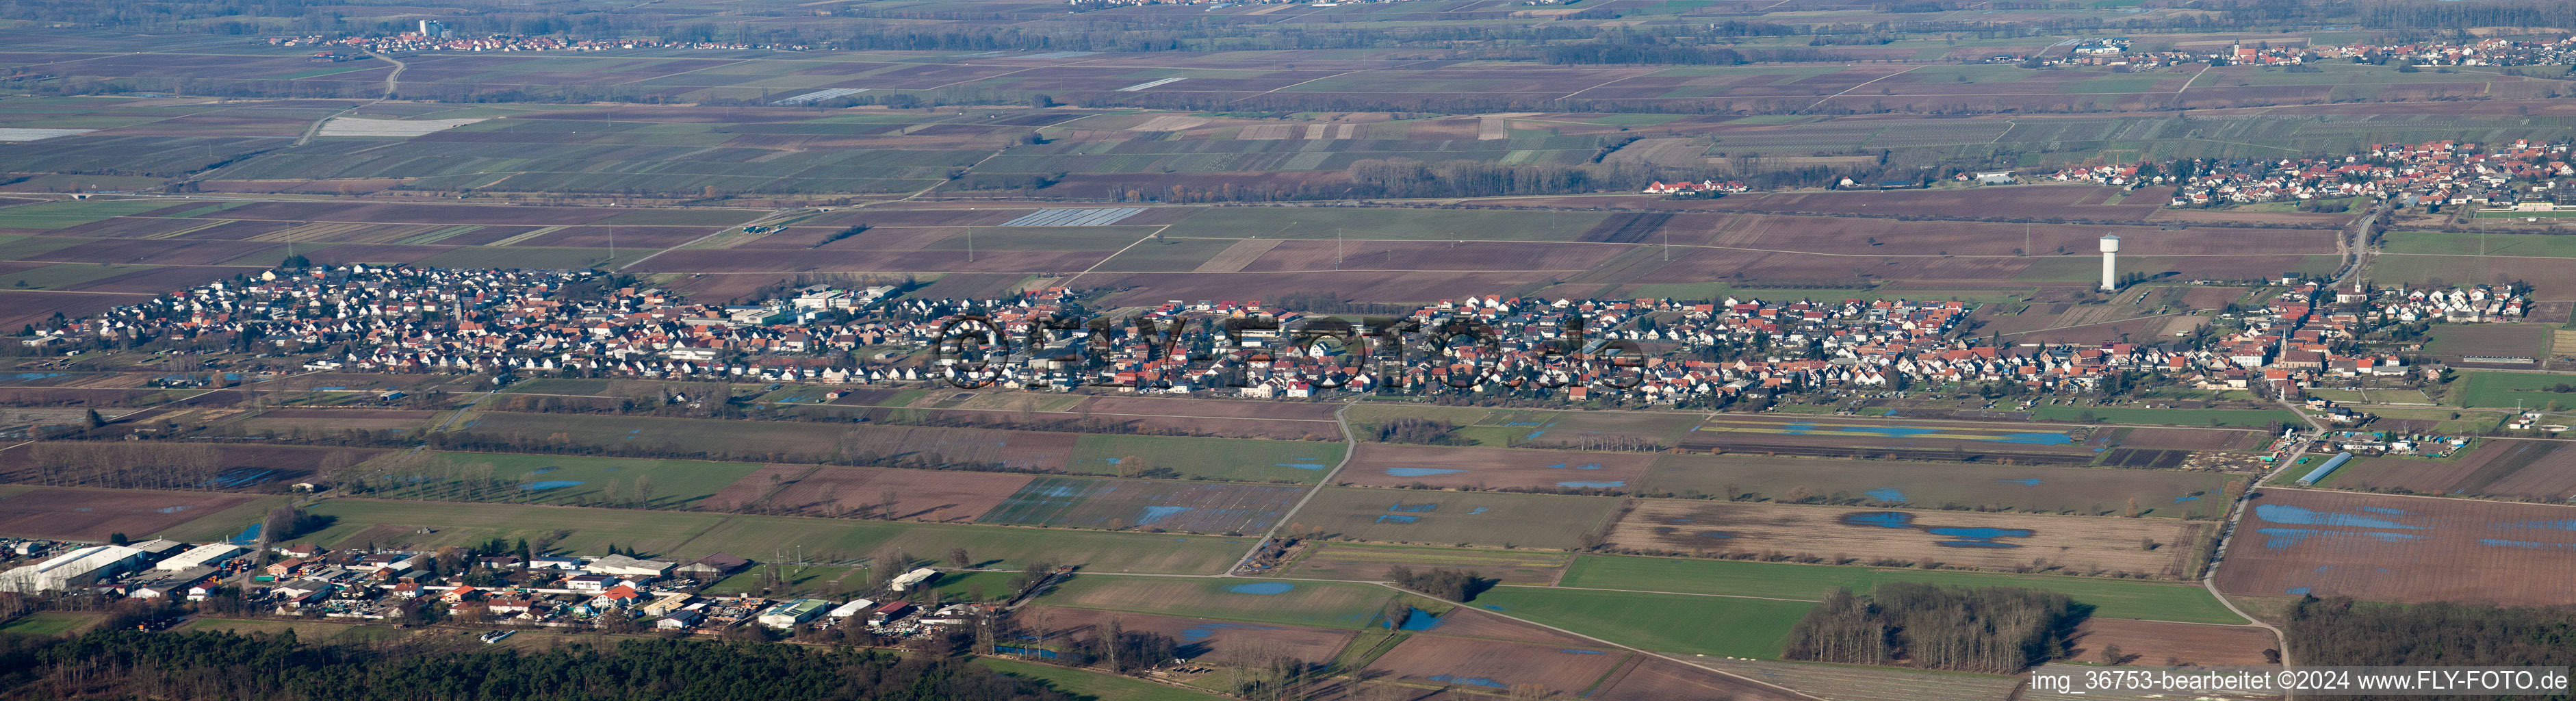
[
  {"x": 1369, "y": 562},
  {"x": 1167, "y": 256},
  {"x": 1709, "y": 625},
  {"x": 1233, "y": 459},
  {"x": 357, "y": 522},
  {"x": 2111, "y": 598},
  {"x": 2442, "y": 242},
  {"x": 48, "y": 623},
  {"x": 1093, "y": 686},
  {"x": 63, "y": 275},
  {"x": 57, "y": 215},
  {"x": 2505, "y": 389},
  {"x": 225, "y": 524},
  {"x": 1422, "y": 517},
  {"x": 684, "y": 534},
  {"x": 1320, "y": 604},
  {"x": 1004, "y": 547},
  {"x": 2509, "y": 340},
  {"x": 561, "y": 479},
  {"x": 2266, "y": 419}
]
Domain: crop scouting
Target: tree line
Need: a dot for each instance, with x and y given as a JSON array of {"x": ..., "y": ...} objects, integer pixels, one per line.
[
  {"x": 1991, "y": 630},
  {"x": 2343, "y": 632},
  {"x": 130, "y": 664}
]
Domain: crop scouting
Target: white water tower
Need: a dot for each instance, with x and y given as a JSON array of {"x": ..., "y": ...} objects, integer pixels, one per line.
[{"x": 2110, "y": 254}]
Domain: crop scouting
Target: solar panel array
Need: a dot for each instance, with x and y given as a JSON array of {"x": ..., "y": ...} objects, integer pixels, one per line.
[{"x": 1074, "y": 217}]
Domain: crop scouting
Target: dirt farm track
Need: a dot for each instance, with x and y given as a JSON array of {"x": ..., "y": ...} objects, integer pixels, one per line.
[{"x": 2407, "y": 549}]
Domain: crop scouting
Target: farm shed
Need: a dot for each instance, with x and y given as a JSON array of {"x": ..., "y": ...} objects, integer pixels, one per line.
[
  {"x": 2320, "y": 473},
  {"x": 787, "y": 615},
  {"x": 207, "y": 555},
  {"x": 78, "y": 567},
  {"x": 623, "y": 566},
  {"x": 855, "y": 607},
  {"x": 913, "y": 578}
]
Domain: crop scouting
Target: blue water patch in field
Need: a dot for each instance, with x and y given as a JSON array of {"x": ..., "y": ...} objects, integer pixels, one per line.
[
  {"x": 1030, "y": 651},
  {"x": 550, "y": 484},
  {"x": 1524, "y": 423},
  {"x": 1882, "y": 519},
  {"x": 1418, "y": 471},
  {"x": 2025, "y": 481},
  {"x": 2566, "y": 525},
  {"x": 1155, "y": 514},
  {"x": 1585, "y": 466},
  {"x": 1395, "y": 518},
  {"x": 1478, "y": 510},
  {"x": 1593, "y": 485},
  {"x": 1061, "y": 490},
  {"x": 1534, "y": 434},
  {"x": 1263, "y": 588},
  {"x": 543, "y": 470},
  {"x": 1722, "y": 535},
  {"x": 2297, "y": 590},
  {"x": 174, "y": 509},
  {"x": 1400, "y": 506},
  {"x": 247, "y": 535},
  {"x": 1978, "y": 537},
  {"x": 38, "y": 375},
  {"x": 2284, "y": 513},
  {"x": 1209, "y": 630},
  {"x": 2384, "y": 510},
  {"x": 1470, "y": 681},
  {"x": 1886, "y": 494},
  {"x": 1493, "y": 607},
  {"x": 1890, "y": 412},
  {"x": 2522, "y": 544},
  {"x": 1914, "y": 431},
  {"x": 1112, "y": 461},
  {"x": 2283, "y": 538},
  {"x": 1419, "y": 620},
  {"x": 1302, "y": 464},
  {"x": 612, "y": 469},
  {"x": 331, "y": 389},
  {"x": 2182, "y": 499},
  {"x": 1572, "y": 651},
  {"x": 2394, "y": 537},
  {"x": 239, "y": 477}
]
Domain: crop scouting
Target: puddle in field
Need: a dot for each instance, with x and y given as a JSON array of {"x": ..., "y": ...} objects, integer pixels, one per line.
[
  {"x": 1886, "y": 494},
  {"x": 1420, "y": 620},
  {"x": 1959, "y": 536},
  {"x": 1419, "y": 471},
  {"x": 1263, "y": 588},
  {"x": 2292, "y": 515},
  {"x": 2042, "y": 438},
  {"x": 1470, "y": 681},
  {"x": 1208, "y": 630}
]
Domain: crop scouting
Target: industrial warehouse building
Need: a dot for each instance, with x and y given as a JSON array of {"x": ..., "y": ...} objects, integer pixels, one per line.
[{"x": 76, "y": 568}]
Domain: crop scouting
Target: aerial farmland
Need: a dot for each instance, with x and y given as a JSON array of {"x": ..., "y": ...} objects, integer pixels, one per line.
[{"x": 1368, "y": 350}]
